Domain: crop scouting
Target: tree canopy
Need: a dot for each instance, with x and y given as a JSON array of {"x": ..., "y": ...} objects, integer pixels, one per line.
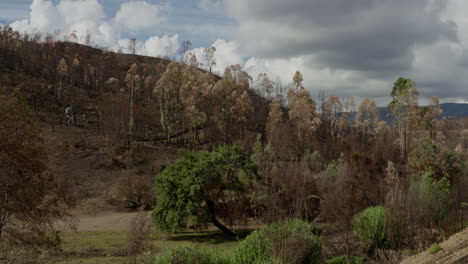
[{"x": 190, "y": 190}]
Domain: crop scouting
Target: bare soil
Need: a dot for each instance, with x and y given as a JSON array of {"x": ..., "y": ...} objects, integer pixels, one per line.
[{"x": 453, "y": 251}]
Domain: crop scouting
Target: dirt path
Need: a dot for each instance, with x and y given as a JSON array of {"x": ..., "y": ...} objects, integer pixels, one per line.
[
  {"x": 108, "y": 221},
  {"x": 453, "y": 250}
]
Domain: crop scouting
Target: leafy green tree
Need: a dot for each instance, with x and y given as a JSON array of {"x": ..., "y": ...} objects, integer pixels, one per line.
[
  {"x": 190, "y": 190},
  {"x": 403, "y": 107}
]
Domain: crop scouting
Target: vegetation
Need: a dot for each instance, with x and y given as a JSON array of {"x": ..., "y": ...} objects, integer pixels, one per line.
[
  {"x": 434, "y": 248},
  {"x": 185, "y": 255},
  {"x": 190, "y": 190},
  {"x": 289, "y": 241},
  {"x": 345, "y": 260},
  {"x": 104, "y": 128},
  {"x": 32, "y": 198},
  {"x": 370, "y": 226}
]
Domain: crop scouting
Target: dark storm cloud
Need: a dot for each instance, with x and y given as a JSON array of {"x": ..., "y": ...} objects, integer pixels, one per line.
[
  {"x": 367, "y": 35},
  {"x": 376, "y": 39}
]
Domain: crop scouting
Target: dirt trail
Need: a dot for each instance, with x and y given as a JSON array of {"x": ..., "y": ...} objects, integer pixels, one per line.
[
  {"x": 106, "y": 221},
  {"x": 454, "y": 251}
]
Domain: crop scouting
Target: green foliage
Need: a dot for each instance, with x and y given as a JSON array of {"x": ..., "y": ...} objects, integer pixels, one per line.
[
  {"x": 433, "y": 195},
  {"x": 316, "y": 161},
  {"x": 369, "y": 225},
  {"x": 185, "y": 186},
  {"x": 434, "y": 248},
  {"x": 335, "y": 168},
  {"x": 189, "y": 255},
  {"x": 256, "y": 248},
  {"x": 403, "y": 93},
  {"x": 345, "y": 260},
  {"x": 257, "y": 149},
  {"x": 289, "y": 241},
  {"x": 428, "y": 157}
]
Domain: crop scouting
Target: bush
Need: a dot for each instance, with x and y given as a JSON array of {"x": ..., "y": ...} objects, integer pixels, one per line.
[
  {"x": 289, "y": 241},
  {"x": 344, "y": 260},
  {"x": 138, "y": 238},
  {"x": 369, "y": 225},
  {"x": 189, "y": 255},
  {"x": 433, "y": 196},
  {"x": 434, "y": 248}
]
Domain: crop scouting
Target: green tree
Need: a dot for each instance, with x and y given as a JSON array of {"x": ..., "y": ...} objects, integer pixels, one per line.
[
  {"x": 190, "y": 190},
  {"x": 167, "y": 92},
  {"x": 403, "y": 107}
]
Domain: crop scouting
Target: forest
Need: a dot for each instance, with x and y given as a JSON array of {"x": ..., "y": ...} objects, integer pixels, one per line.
[{"x": 268, "y": 172}]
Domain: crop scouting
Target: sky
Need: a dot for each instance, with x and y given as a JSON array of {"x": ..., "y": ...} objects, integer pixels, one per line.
[{"x": 349, "y": 48}]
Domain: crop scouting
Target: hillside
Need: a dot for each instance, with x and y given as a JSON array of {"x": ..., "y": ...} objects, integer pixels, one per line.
[
  {"x": 123, "y": 133},
  {"x": 93, "y": 151},
  {"x": 454, "y": 250}
]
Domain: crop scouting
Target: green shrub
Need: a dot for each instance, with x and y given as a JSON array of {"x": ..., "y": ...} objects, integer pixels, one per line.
[
  {"x": 189, "y": 255},
  {"x": 369, "y": 225},
  {"x": 344, "y": 260},
  {"x": 433, "y": 196},
  {"x": 434, "y": 248},
  {"x": 289, "y": 241}
]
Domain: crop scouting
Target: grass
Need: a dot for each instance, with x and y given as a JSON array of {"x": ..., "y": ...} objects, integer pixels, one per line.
[
  {"x": 109, "y": 246},
  {"x": 434, "y": 248}
]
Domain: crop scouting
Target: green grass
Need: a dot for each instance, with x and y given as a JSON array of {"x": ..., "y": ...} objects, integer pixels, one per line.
[
  {"x": 109, "y": 246},
  {"x": 434, "y": 248}
]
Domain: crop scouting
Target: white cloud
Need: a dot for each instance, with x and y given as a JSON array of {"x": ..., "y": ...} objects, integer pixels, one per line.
[
  {"x": 79, "y": 16},
  {"x": 227, "y": 53},
  {"x": 161, "y": 46},
  {"x": 139, "y": 15},
  {"x": 87, "y": 16}
]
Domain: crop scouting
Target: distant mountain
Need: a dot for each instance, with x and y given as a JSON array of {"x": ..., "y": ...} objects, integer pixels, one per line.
[{"x": 450, "y": 111}]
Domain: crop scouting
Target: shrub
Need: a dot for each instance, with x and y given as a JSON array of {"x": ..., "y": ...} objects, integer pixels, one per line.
[
  {"x": 289, "y": 241},
  {"x": 138, "y": 238},
  {"x": 433, "y": 197},
  {"x": 434, "y": 248},
  {"x": 345, "y": 260},
  {"x": 189, "y": 255},
  {"x": 369, "y": 225}
]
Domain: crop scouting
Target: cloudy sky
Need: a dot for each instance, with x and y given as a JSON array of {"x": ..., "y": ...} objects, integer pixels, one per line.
[{"x": 349, "y": 48}]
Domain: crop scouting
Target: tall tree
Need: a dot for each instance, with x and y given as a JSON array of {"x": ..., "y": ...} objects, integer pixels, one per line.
[
  {"x": 302, "y": 114},
  {"x": 209, "y": 58},
  {"x": 297, "y": 81},
  {"x": 275, "y": 119},
  {"x": 167, "y": 92},
  {"x": 133, "y": 81},
  {"x": 333, "y": 107},
  {"x": 367, "y": 116},
  {"x": 265, "y": 85},
  {"x": 403, "y": 107},
  {"x": 31, "y": 198},
  {"x": 62, "y": 69}
]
